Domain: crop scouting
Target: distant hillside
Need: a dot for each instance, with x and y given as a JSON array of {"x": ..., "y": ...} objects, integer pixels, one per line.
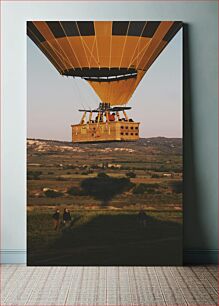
[{"x": 155, "y": 145}]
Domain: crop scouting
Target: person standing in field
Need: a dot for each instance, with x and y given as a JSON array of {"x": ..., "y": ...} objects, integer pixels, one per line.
[
  {"x": 66, "y": 217},
  {"x": 142, "y": 218},
  {"x": 56, "y": 219}
]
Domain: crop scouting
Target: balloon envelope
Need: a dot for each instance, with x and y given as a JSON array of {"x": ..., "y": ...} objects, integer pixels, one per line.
[{"x": 112, "y": 56}]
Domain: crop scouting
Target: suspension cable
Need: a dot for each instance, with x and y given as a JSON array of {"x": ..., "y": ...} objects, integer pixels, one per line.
[
  {"x": 124, "y": 45},
  {"x": 57, "y": 42},
  {"x": 108, "y": 93},
  {"x": 70, "y": 45},
  {"x": 79, "y": 101},
  {"x": 97, "y": 49},
  {"x": 48, "y": 52},
  {"x": 146, "y": 51},
  {"x": 143, "y": 51},
  {"x": 156, "y": 45},
  {"x": 137, "y": 60},
  {"x": 91, "y": 54},
  {"x": 137, "y": 44},
  {"x": 82, "y": 42},
  {"x": 59, "y": 46},
  {"x": 111, "y": 38},
  {"x": 79, "y": 91}
]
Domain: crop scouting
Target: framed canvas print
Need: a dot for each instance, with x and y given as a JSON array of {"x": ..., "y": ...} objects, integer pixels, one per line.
[{"x": 104, "y": 146}]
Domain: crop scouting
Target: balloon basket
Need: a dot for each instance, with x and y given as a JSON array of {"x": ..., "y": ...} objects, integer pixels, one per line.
[{"x": 105, "y": 132}]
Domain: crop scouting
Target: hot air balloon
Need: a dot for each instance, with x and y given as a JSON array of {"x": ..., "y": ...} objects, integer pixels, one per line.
[{"x": 113, "y": 57}]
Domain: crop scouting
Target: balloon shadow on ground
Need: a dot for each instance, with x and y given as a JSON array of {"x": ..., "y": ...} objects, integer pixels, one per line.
[{"x": 115, "y": 240}]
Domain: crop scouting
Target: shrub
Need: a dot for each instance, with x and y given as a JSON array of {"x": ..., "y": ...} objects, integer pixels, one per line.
[
  {"x": 152, "y": 191},
  {"x": 152, "y": 185},
  {"x": 154, "y": 175},
  {"x": 102, "y": 175},
  {"x": 131, "y": 174},
  {"x": 75, "y": 191},
  {"x": 34, "y": 175},
  {"x": 142, "y": 188},
  {"x": 163, "y": 169},
  {"x": 60, "y": 178},
  {"x": 95, "y": 166},
  {"x": 177, "y": 186},
  {"x": 51, "y": 193},
  {"x": 68, "y": 167}
]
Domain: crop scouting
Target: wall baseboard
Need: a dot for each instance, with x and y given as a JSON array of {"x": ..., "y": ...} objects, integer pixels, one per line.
[
  {"x": 13, "y": 256},
  {"x": 199, "y": 257},
  {"x": 190, "y": 257}
]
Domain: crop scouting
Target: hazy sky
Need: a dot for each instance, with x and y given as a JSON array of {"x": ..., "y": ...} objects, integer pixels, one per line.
[{"x": 53, "y": 100}]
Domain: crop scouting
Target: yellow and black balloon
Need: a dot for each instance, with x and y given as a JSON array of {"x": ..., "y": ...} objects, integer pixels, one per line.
[{"x": 112, "y": 56}]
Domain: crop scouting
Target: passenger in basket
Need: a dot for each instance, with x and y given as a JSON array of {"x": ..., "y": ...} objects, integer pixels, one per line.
[{"x": 112, "y": 117}]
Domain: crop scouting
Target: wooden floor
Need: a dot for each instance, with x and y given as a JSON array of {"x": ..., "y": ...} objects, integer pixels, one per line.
[{"x": 79, "y": 286}]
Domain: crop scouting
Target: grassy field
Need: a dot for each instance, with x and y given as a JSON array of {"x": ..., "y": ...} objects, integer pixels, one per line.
[
  {"x": 105, "y": 238},
  {"x": 105, "y": 231}
]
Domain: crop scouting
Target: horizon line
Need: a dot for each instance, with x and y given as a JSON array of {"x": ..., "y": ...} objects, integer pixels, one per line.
[{"x": 31, "y": 138}]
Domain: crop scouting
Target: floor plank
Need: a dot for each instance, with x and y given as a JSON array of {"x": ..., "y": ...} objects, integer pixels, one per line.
[{"x": 108, "y": 286}]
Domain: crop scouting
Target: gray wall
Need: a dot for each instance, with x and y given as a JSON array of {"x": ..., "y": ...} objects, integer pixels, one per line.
[{"x": 200, "y": 110}]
